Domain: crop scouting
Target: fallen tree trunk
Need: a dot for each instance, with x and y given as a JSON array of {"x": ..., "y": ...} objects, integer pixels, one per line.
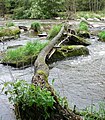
[{"x": 40, "y": 78}]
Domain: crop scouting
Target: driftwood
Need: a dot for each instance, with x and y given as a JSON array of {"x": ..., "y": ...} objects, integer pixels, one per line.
[{"x": 40, "y": 78}]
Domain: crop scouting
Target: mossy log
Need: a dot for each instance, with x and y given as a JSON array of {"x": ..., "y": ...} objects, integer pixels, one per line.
[
  {"x": 40, "y": 78},
  {"x": 68, "y": 51}
]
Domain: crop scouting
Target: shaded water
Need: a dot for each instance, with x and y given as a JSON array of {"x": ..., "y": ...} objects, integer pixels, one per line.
[{"x": 80, "y": 79}]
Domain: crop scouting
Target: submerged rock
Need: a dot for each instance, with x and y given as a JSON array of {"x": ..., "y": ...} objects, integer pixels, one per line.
[{"x": 68, "y": 51}]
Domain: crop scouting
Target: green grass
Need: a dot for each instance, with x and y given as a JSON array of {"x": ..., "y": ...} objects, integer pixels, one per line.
[
  {"x": 36, "y": 26},
  {"x": 86, "y": 14},
  {"x": 93, "y": 113},
  {"x": 9, "y": 24},
  {"x": 83, "y": 26},
  {"x": 21, "y": 53},
  {"x": 101, "y": 35},
  {"x": 54, "y": 31}
]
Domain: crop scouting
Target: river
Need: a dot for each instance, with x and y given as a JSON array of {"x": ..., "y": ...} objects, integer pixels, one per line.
[{"x": 80, "y": 79}]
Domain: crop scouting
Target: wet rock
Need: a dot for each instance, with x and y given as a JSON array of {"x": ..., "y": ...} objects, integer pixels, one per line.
[
  {"x": 23, "y": 27},
  {"x": 14, "y": 46},
  {"x": 28, "y": 60},
  {"x": 76, "y": 40},
  {"x": 68, "y": 51},
  {"x": 7, "y": 38},
  {"x": 84, "y": 34},
  {"x": 42, "y": 35}
]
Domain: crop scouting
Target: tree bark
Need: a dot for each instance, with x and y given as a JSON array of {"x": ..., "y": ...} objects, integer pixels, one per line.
[{"x": 40, "y": 78}]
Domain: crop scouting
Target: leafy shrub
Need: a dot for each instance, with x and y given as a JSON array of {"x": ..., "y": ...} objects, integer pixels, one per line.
[
  {"x": 36, "y": 26},
  {"x": 9, "y": 24},
  {"x": 30, "y": 49},
  {"x": 102, "y": 35},
  {"x": 54, "y": 31},
  {"x": 27, "y": 95}
]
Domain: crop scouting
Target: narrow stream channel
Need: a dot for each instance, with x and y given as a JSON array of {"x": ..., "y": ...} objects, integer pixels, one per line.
[{"x": 80, "y": 79}]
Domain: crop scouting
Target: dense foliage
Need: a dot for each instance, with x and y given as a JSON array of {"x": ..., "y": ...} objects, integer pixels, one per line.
[
  {"x": 47, "y": 8},
  {"x": 27, "y": 95}
]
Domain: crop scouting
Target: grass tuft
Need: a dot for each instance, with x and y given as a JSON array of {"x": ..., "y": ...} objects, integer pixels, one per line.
[
  {"x": 30, "y": 49},
  {"x": 54, "y": 31},
  {"x": 101, "y": 35},
  {"x": 36, "y": 26}
]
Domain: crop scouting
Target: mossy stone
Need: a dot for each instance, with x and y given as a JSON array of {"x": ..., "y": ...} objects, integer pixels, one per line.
[{"x": 68, "y": 51}]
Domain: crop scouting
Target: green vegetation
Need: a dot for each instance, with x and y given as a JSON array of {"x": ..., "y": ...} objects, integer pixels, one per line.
[
  {"x": 89, "y": 14},
  {"x": 36, "y": 26},
  {"x": 6, "y": 31},
  {"x": 9, "y": 24},
  {"x": 32, "y": 101},
  {"x": 102, "y": 36},
  {"x": 83, "y": 26},
  {"x": 91, "y": 113},
  {"x": 69, "y": 51},
  {"x": 43, "y": 9},
  {"x": 54, "y": 31},
  {"x": 30, "y": 50},
  {"x": 28, "y": 96}
]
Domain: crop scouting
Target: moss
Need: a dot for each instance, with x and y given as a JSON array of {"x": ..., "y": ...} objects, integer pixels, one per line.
[
  {"x": 41, "y": 72},
  {"x": 69, "y": 51},
  {"x": 9, "y": 31}
]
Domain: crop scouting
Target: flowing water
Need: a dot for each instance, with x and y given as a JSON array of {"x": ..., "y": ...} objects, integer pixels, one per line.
[{"x": 80, "y": 79}]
